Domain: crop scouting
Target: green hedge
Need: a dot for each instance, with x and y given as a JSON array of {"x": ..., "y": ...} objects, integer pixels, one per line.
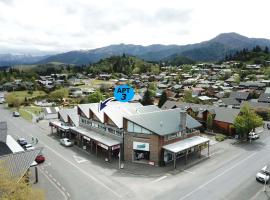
[{"x": 220, "y": 137}]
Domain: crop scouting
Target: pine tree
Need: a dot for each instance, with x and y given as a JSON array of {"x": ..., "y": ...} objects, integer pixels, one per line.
[
  {"x": 266, "y": 50},
  {"x": 163, "y": 99},
  {"x": 147, "y": 100}
]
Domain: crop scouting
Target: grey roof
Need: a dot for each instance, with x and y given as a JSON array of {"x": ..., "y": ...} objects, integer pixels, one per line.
[
  {"x": 163, "y": 122},
  {"x": 252, "y": 84},
  {"x": 267, "y": 90},
  {"x": 19, "y": 163},
  {"x": 51, "y": 110},
  {"x": 221, "y": 114},
  {"x": 169, "y": 105},
  {"x": 147, "y": 109},
  {"x": 71, "y": 113},
  {"x": 230, "y": 101},
  {"x": 185, "y": 144},
  {"x": 239, "y": 95},
  {"x": 256, "y": 104},
  {"x": 264, "y": 97},
  {"x": 96, "y": 136}
]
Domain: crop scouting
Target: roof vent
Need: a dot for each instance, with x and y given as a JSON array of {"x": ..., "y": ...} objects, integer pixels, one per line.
[{"x": 161, "y": 123}]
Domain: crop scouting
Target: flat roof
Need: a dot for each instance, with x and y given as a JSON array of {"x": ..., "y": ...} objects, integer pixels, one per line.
[
  {"x": 13, "y": 145},
  {"x": 185, "y": 144},
  {"x": 96, "y": 136},
  {"x": 60, "y": 125}
]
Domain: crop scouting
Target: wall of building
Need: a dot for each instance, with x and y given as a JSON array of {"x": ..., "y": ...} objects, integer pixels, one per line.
[
  {"x": 154, "y": 146},
  {"x": 223, "y": 127}
]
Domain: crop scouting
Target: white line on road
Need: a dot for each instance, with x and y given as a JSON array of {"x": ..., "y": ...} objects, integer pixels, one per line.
[
  {"x": 190, "y": 172},
  {"x": 159, "y": 179},
  {"x": 65, "y": 197},
  {"x": 216, "y": 177},
  {"x": 82, "y": 171}
]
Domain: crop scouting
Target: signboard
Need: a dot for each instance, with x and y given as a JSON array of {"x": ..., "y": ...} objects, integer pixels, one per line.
[
  {"x": 86, "y": 138},
  {"x": 141, "y": 146},
  {"x": 103, "y": 146},
  {"x": 116, "y": 147}
]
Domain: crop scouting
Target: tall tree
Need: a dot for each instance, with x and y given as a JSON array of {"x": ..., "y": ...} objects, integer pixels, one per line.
[
  {"x": 147, "y": 99},
  {"x": 95, "y": 97},
  {"x": 246, "y": 121},
  {"x": 163, "y": 99}
]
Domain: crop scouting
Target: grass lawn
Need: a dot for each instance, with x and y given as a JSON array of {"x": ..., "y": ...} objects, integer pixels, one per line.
[
  {"x": 24, "y": 114},
  {"x": 33, "y": 109},
  {"x": 22, "y": 94}
]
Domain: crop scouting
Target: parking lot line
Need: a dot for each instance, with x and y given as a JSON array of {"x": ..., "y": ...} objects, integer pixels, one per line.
[
  {"x": 216, "y": 177},
  {"x": 82, "y": 171}
]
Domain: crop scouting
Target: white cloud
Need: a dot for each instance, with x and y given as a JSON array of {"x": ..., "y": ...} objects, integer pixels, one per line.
[{"x": 63, "y": 25}]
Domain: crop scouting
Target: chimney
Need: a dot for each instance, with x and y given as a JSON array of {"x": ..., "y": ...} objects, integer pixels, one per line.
[
  {"x": 183, "y": 121},
  {"x": 3, "y": 132}
]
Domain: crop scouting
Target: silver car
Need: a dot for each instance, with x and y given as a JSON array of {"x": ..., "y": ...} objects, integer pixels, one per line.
[
  {"x": 263, "y": 176},
  {"x": 66, "y": 142}
]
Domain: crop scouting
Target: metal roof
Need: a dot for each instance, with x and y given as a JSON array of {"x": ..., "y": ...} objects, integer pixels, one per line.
[
  {"x": 185, "y": 144},
  {"x": 96, "y": 136},
  {"x": 221, "y": 114},
  {"x": 163, "y": 122},
  {"x": 19, "y": 163}
]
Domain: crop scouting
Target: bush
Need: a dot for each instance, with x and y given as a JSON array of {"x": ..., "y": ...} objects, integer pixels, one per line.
[{"x": 220, "y": 137}]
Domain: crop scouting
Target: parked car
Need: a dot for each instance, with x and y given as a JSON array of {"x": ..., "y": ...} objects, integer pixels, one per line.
[
  {"x": 253, "y": 136},
  {"x": 66, "y": 142},
  {"x": 16, "y": 114},
  {"x": 40, "y": 159},
  {"x": 22, "y": 141},
  {"x": 28, "y": 147},
  {"x": 263, "y": 175}
]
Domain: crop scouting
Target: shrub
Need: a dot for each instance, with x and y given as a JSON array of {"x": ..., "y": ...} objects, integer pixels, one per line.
[{"x": 220, "y": 137}]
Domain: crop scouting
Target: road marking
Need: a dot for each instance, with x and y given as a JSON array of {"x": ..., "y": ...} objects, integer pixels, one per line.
[
  {"x": 159, "y": 179},
  {"x": 216, "y": 177},
  {"x": 82, "y": 171},
  {"x": 190, "y": 172},
  {"x": 65, "y": 197},
  {"x": 79, "y": 159}
]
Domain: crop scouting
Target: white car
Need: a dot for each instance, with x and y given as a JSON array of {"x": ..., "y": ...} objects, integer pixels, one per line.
[
  {"x": 29, "y": 147},
  {"x": 263, "y": 176},
  {"x": 253, "y": 136},
  {"x": 66, "y": 142}
]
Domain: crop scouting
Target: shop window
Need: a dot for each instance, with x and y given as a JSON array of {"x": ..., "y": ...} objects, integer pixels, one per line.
[
  {"x": 130, "y": 127},
  {"x": 145, "y": 131},
  {"x": 137, "y": 129},
  {"x": 141, "y": 155}
]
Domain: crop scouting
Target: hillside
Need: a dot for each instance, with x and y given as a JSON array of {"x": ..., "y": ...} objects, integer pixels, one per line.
[
  {"x": 122, "y": 64},
  {"x": 256, "y": 55},
  {"x": 211, "y": 50}
]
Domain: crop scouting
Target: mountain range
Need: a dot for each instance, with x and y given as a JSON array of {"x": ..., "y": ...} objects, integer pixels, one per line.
[{"x": 211, "y": 50}]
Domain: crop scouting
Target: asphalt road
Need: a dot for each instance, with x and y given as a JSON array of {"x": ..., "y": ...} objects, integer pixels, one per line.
[{"x": 228, "y": 174}]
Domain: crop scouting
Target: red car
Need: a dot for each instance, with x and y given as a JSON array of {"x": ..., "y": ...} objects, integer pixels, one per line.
[{"x": 40, "y": 159}]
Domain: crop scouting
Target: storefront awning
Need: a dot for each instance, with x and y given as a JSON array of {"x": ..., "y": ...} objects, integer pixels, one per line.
[
  {"x": 96, "y": 136},
  {"x": 59, "y": 124},
  {"x": 185, "y": 144}
]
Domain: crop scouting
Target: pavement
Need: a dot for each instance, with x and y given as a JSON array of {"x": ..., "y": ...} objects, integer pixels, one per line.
[{"x": 70, "y": 173}]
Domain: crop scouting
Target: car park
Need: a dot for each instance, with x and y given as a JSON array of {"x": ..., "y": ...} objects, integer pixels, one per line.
[
  {"x": 66, "y": 142},
  {"x": 263, "y": 175},
  {"x": 22, "y": 141},
  {"x": 16, "y": 114}
]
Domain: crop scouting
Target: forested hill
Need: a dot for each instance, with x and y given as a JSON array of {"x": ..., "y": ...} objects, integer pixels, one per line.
[
  {"x": 123, "y": 64},
  {"x": 257, "y": 55}
]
